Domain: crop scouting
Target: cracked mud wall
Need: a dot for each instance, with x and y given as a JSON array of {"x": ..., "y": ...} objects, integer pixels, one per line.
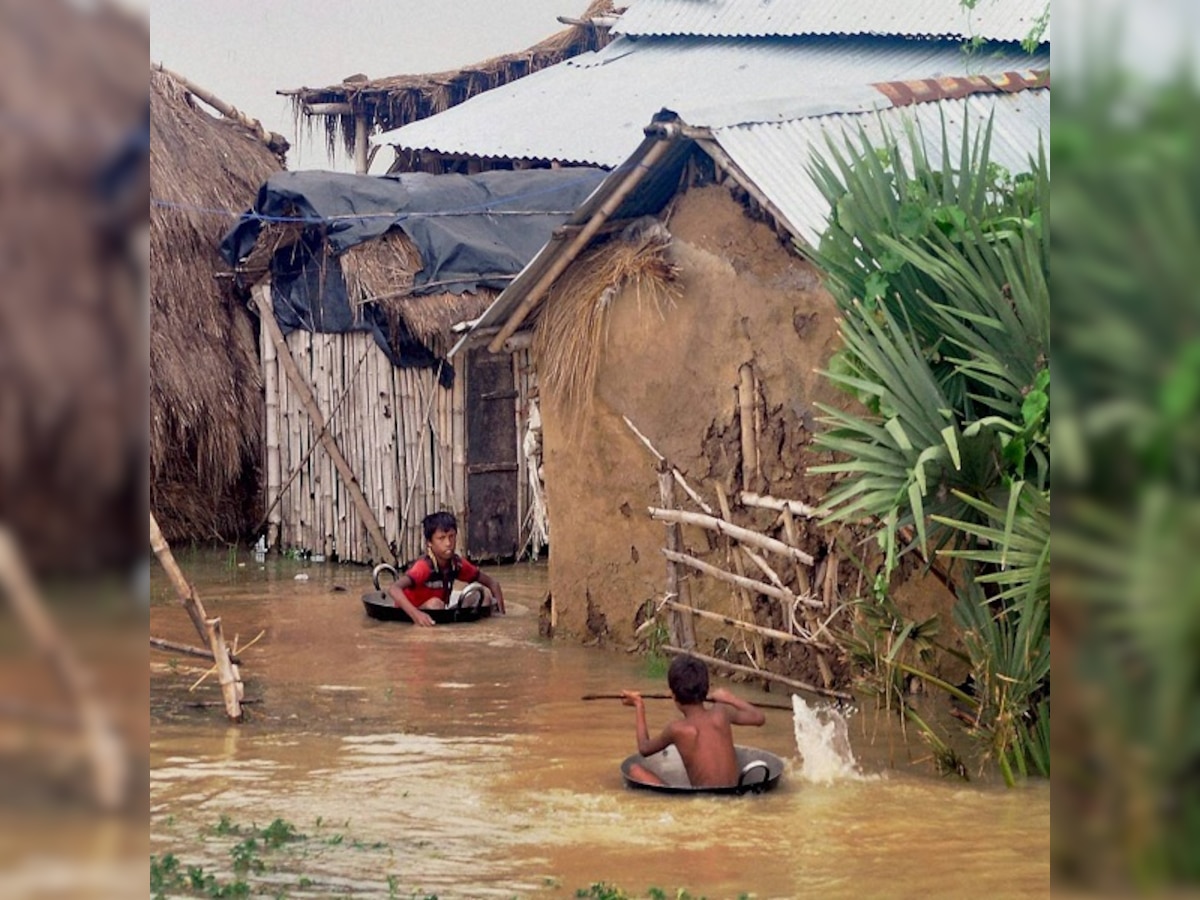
[{"x": 744, "y": 299}]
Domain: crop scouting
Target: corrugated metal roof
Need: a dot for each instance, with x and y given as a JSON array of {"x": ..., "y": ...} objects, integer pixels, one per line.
[
  {"x": 591, "y": 109},
  {"x": 776, "y": 156},
  {"x": 994, "y": 20}
]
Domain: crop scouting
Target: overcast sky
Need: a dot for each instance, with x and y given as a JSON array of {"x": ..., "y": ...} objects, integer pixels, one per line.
[{"x": 245, "y": 50}]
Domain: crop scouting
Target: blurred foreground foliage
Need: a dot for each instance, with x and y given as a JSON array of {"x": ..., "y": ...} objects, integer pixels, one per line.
[{"x": 1126, "y": 620}]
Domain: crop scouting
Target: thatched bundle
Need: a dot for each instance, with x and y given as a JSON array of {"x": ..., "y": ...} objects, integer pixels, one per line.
[
  {"x": 399, "y": 99},
  {"x": 72, "y": 425},
  {"x": 572, "y": 326},
  {"x": 206, "y": 386},
  {"x": 381, "y": 271}
]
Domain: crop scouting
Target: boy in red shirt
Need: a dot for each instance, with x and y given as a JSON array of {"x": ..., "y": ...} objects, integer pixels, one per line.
[{"x": 429, "y": 581}]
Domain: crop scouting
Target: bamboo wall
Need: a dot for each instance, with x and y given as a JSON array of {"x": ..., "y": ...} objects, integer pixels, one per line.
[{"x": 403, "y": 435}]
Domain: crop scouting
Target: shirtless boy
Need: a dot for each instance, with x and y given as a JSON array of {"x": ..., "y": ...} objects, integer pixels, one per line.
[{"x": 704, "y": 736}]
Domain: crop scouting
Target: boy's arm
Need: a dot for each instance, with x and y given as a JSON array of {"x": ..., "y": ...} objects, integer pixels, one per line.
[
  {"x": 743, "y": 713},
  {"x": 647, "y": 746},
  {"x": 400, "y": 599},
  {"x": 492, "y": 585}
]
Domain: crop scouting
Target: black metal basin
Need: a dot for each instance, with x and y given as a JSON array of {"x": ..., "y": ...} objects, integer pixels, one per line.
[{"x": 759, "y": 771}]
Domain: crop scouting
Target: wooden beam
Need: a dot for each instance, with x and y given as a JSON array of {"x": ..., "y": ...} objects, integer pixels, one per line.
[
  {"x": 580, "y": 240},
  {"x": 763, "y": 501},
  {"x": 741, "y": 581}
]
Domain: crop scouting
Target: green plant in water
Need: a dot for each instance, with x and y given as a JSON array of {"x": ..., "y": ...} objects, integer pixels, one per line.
[{"x": 941, "y": 273}]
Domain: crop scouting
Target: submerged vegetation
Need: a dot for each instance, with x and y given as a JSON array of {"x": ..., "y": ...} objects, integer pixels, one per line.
[{"x": 941, "y": 273}]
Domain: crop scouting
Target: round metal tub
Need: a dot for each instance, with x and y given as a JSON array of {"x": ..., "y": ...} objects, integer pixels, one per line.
[{"x": 759, "y": 771}]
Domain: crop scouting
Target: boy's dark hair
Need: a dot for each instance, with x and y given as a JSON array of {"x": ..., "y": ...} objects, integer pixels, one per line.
[
  {"x": 438, "y": 520},
  {"x": 688, "y": 679}
]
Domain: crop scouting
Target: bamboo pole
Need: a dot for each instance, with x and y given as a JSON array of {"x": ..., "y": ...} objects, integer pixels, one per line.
[
  {"x": 564, "y": 257},
  {"x": 805, "y": 585},
  {"x": 271, "y": 389},
  {"x": 263, "y": 300},
  {"x": 183, "y": 589},
  {"x": 762, "y": 501},
  {"x": 109, "y": 763},
  {"x": 745, "y": 535},
  {"x": 759, "y": 673},
  {"x": 745, "y": 392},
  {"x": 745, "y": 601},
  {"x": 680, "y": 627},
  {"x": 749, "y": 583},
  {"x": 760, "y": 631},
  {"x": 231, "y": 685},
  {"x": 763, "y": 567},
  {"x": 678, "y": 476}
]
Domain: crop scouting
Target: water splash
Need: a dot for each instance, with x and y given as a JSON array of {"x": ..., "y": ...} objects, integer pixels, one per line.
[{"x": 823, "y": 742}]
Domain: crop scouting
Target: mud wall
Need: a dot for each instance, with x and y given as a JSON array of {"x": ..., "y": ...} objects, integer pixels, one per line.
[{"x": 745, "y": 299}]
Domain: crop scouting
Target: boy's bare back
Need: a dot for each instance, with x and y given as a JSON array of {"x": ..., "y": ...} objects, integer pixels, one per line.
[{"x": 704, "y": 740}]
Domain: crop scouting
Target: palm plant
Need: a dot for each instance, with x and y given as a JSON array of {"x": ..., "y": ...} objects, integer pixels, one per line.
[{"x": 941, "y": 273}]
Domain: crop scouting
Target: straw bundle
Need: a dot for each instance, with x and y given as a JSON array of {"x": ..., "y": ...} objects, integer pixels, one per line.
[
  {"x": 382, "y": 271},
  {"x": 572, "y": 328}
]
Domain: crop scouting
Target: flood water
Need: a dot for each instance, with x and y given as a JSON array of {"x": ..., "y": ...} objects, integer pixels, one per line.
[{"x": 460, "y": 761}]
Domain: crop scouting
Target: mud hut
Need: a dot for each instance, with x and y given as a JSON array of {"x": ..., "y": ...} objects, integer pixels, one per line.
[
  {"x": 357, "y": 282},
  {"x": 678, "y": 335},
  {"x": 352, "y": 110},
  {"x": 205, "y": 381}
]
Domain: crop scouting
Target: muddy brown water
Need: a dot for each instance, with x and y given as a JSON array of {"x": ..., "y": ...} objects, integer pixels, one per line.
[{"x": 460, "y": 761}]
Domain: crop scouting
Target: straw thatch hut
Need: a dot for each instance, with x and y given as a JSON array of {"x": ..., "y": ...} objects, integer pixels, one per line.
[
  {"x": 205, "y": 381},
  {"x": 72, "y": 96},
  {"x": 358, "y": 106},
  {"x": 357, "y": 282}
]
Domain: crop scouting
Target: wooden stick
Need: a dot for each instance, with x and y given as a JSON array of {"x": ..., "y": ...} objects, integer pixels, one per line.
[
  {"x": 271, "y": 517},
  {"x": 185, "y": 649},
  {"x": 230, "y": 682},
  {"x": 759, "y": 673},
  {"x": 745, "y": 535},
  {"x": 763, "y": 501},
  {"x": 746, "y": 602},
  {"x": 745, "y": 392},
  {"x": 183, "y": 589},
  {"x": 672, "y": 697},
  {"x": 760, "y": 587},
  {"x": 761, "y": 630},
  {"x": 680, "y": 626},
  {"x": 764, "y": 567},
  {"x": 678, "y": 476},
  {"x": 109, "y": 762},
  {"x": 262, "y": 297}
]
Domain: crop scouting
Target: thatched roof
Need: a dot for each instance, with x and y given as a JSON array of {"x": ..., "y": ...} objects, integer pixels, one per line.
[
  {"x": 399, "y": 99},
  {"x": 72, "y": 429},
  {"x": 206, "y": 385}
]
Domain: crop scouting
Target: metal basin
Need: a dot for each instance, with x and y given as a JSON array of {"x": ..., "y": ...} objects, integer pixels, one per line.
[
  {"x": 472, "y": 603},
  {"x": 759, "y": 771}
]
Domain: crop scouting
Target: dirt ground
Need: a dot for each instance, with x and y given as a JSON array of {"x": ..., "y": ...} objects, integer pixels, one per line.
[{"x": 744, "y": 299}]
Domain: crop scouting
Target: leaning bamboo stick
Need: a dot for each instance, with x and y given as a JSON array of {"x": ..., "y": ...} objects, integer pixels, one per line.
[
  {"x": 759, "y": 673},
  {"x": 263, "y": 300},
  {"x": 749, "y": 583},
  {"x": 760, "y": 630},
  {"x": 678, "y": 476},
  {"x": 183, "y": 589},
  {"x": 680, "y": 626},
  {"x": 230, "y": 683},
  {"x": 745, "y": 535},
  {"x": 763, "y": 566},
  {"x": 762, "y": 501}
]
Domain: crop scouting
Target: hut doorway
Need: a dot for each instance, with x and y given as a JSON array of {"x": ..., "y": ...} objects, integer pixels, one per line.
[{"x": 493, "y": 466}]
